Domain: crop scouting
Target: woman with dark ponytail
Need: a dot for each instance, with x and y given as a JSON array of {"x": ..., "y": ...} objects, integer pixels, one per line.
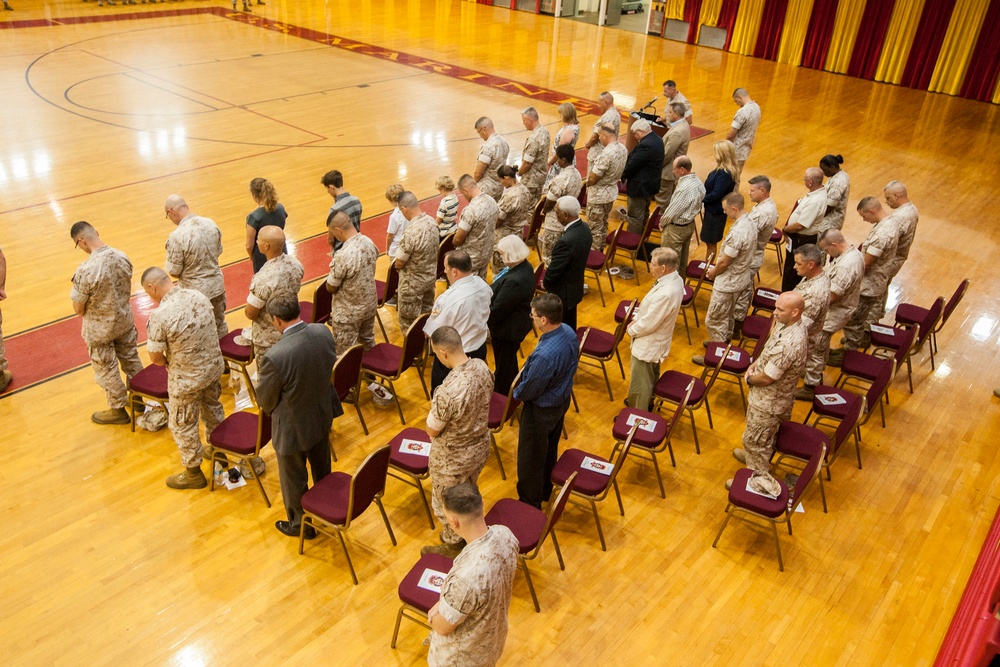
[
  {"x": 838, "y": 189},
  {"x": 268, "y": 212}
]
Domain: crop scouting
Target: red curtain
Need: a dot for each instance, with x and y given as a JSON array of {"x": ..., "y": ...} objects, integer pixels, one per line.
[
  {"x": 692, "y": 11},
  {"x": 927, "y": 43},
  {"x": 819, "y": 34},
  {"x": 727, "y": 18},
  {"x": 871, "y": 38},
  {"x": 772, "y": 21},
  {"x": 981, "y": 77}
]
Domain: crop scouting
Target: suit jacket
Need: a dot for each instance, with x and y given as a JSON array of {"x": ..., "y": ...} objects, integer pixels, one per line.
[
  {"x": 675, "y": 144},
  {"x": 642, "y": 170},
  {"x": 564, "y": 276},
  {"x": 294, "y": 386},
  {"x": 510, "y": 309}
]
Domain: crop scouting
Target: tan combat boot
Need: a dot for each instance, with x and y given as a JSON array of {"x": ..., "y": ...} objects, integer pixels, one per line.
[
  {"x": 111, "y": 416},
  {"x": 192, "y": 478}
]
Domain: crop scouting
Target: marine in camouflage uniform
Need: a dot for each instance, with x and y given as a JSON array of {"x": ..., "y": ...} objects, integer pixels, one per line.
[
  {"x": 478, "y": 221},
  {"x": 567, "y": 183},
  {"x": 846, "y": 269},
  {"x": 282, "y": 273},
  {"x": 493, "y": 154},
  {"x": 764, "y": 215},
  {"x": 739, "y": 245},
  {"x": 881, "y": 246},
  {"x": 182, "y": 333},
  {"x": 602, "y": 185},
  {"x": 102, "y": 287},
  {"x": 516, "y": 208},
  {"x": 534, "y": 158},
  {"x": 352, "y": 283},
  {"x": 416, "y": 260},
  {"x": 193, "y": 251},
  {"x": 815, "y": 290}
]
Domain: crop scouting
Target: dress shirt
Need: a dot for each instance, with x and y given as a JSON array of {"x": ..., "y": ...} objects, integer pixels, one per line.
[
  {"x": 809, "y": 213},
  {"x": 466, "y": 306},
  {"x": 548, "y": 372},
  {"x": 685, "y": 203}
]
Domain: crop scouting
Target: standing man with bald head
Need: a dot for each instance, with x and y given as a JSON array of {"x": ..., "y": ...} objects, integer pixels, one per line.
[
  {"x": 416, "y": 261},
  {"x": 906, "y": 216},
  {"x": 102, "y": 288},
  {"x": 534, "y": 158},
  {"x": 677, "y": 221},
  {"x": 352, "y": 283},
  {"x": 492, "y": 155},
  {"x": 193, "y": 251},
  {"x": 743, "y": 130},
  {"x": 182, "y": 337},
  {"x": 609, "y": 116},
  {"x": 280, "y": 273},
  {"x": 804, "y": 222},
  {"x": 477, "y": 223},
  {"x": 772, "y": 379}
]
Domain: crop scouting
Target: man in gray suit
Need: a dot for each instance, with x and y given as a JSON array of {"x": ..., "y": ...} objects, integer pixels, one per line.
[
  {"x": 295, "y": 388},
  {"x": 675, "y": 144}
]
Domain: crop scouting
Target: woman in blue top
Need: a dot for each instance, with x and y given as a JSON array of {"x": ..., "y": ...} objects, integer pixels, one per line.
[
  {"x": 720, "y": 182},
  {"x": 268, "y": 212}
]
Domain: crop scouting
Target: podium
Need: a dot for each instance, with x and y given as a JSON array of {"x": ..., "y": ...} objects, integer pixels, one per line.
[{"x": 633, "y": 116}]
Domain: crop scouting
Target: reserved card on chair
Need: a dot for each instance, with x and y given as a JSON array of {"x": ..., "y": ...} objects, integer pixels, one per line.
[
  {"x": 415, "y": 447},
  {"x": 642, "y": 422},
  {"x": 768, "y": 294},
  {"x": 831, "y": 399},
  {"x": 432, "y": 580},
  {"x": 734, "y": 355},
  {"x": 595, "y": 465},
  {"x": 885, "y": 331}
]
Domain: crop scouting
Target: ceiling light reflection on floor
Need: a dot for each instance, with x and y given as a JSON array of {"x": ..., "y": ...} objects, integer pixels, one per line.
[{"x": 982, "y": 330}]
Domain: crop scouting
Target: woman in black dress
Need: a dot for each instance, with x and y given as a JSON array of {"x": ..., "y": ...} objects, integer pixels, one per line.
[
  {"x": 268, "y": 212},
  {"x": 510, "y": 309},
  {"x": 720, "y": 182}
]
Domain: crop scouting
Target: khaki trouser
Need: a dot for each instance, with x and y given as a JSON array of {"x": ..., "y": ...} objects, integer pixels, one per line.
[
  {"x": 758, "y": 438},
  {"x": 441, "y": 480},
  {"x": 349, "y": 334},
  {"x": 643, "y": 375},
  {"x": 857, "y": 332},
  {"x": 411, "y": 305},
  {"x": 666, "y": 191},
  {"x": 597, "y": 219},
  {"x": 678, "y": 237},
  {"x": 637, "y": 210},
  {"x": 819, "y": 350},
  {"x": 184, "y": 411},
  {"x": 719, "y": 319},
  {"x": 105, "y": 357}
]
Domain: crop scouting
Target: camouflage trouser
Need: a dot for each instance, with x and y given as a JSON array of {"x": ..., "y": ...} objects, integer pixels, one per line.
[
  {"x": 546, "y": 242},
  {"x": 3, "y": 351},
  {"x": 105, "y": 357},
  {"x": 720, "y": 316},
  {"x": 411, "y": 305},
  {"x": 857, "y": 332},
  {"x": 260, "y": 349},
  {"x": 349, "y": 334},
  {"x": 597, "y": 219},
  {"x": 445, "y": 479},
  {"x": 500, "y": 232},
  {"x": 184, "y": 411},
  {"x": 819, "y": 350},
  {"x": 746, "y": 296},
  {"x": 219, "y": 308},
  {"x": 758, "y": 438}
]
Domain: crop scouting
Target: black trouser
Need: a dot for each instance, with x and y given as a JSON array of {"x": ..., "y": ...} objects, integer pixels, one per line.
[
  {"x": 537, "y": 451},
  {"x": 569, "y": 316},
  {"x": 439, "y": 371},
  {"x": 790, "y": 279},
  {"x": 505, "y": 356},
  {"x": 294, "y": 479}
]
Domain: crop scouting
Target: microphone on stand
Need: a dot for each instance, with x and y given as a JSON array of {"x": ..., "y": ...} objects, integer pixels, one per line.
[{"x": 650, "y": 103}]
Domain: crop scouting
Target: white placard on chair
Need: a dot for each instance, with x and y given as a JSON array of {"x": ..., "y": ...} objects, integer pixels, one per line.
[
  {"x": 595, "y": 465},
  {"x": 432, "y": 580},
  {"x": 885, "y": 331},
  {"x": 831, "y": 399},
  {"x": 415, "y": 447},
  {"x": 644, "y": 423},
  {"x": 767, "y": 294}
]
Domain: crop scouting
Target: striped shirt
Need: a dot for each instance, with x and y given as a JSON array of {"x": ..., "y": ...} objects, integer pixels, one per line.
[{"x": 447, "y": 215}]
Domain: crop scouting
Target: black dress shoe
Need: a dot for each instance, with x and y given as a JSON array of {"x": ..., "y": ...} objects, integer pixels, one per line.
[{"x": 285, "y": 528}]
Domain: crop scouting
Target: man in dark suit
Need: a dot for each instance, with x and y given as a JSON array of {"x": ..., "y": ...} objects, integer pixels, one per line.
[
  {"x": 295, "y": 388},
  {"x": 564, "y": 276},
  {"x": 642, "y": 174},
  {"x": 510, "y": 309}
]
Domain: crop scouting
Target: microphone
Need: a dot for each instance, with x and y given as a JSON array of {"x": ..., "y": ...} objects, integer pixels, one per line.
[{"x": 650, "y": 103}]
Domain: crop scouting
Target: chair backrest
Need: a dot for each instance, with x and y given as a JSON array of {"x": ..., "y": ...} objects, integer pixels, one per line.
[
  {"x": 368, "y": 482},
  {"x": 855, "y": 408},
  {"x": 883, "y": 378},
  {"x": 954, "y": 300},
  {"x": 512, "y": 403},
  {"x": 414, "y": 343},
  {"x": 678, "y": 413},
  {"x": 322, "y": 303},
  {"x": 446, "y": 246},
  {"x": 539, "y": 277},
  {"x": 347, "y": 371},
  {"x": 537, "y": 218},
  {"x": 263, "y": 429},
  {"x": 651, "y": 222},
  {"x": 582, "y": 197},
  {"x": 391, "y": 283},
  {"x": 931, "y": 321},
  {"x": 583, "y": 339},
  {"x": 816, "y": 458},
  {"x": 908, "y": 340},
  {"x": 620, "y": 459},
  {"x": 623, "y": 325},
  {"x": 701, "y": 278},
  {"x": 717, "y": 368},
  {"x": 762, "y": 341},
  {"x": 556, "y": 508},
  {"x": 612, "y": 247}
]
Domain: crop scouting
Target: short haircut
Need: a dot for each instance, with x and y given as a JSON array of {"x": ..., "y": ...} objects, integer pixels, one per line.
[
  {"x": 407, "y": 199},
  {"x": 832, "y": 236},
  {"x": 512, "y": 249},
  {"x": 466, "y": 181},
  {"x": 463, "y": 499},
  {"x": 176, "y": 201},
  {"x": 393, "y": 191},
  {"x": 670, "y": 83},
  {"x": 569, "y": 205},
  {"x": 284, "y": 305},
  {"x": 153, "y": 275},
  {"x": 677, "y": 108},
  {"x": 444, "y": 183},
  {"x": 811, "y": 253},
  {"x": 606, "y": 96},
  {"x": 683, "y": 162},
  {"x": 607, "y": 128},
  {"x": 734, "y": 199},
  {"x": 82, "y": 228},
  {"x": 459, "y": 260},
  {"x": 664, "y": 256},
  {"x": 895, "y": 187},
  {"x": 548, "y": 306},
  {"x": 483, "y": 121},
  {"x": 565, "y": 151},
  {"x": 868, "y": 203},
  {"x": 506, "y": 171},
  {"x": 447, "y": 338},
  {"x": 762, "y": 181},
  {"x": 334, "y": 178},
  {"x": 340, "y": 220},
  {"x": 740, "y": 92},
  {"x": 531, "y": 113}
]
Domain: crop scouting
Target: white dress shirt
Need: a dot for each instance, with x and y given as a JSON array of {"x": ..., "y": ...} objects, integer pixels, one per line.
[{"x": 466, "y": 306}]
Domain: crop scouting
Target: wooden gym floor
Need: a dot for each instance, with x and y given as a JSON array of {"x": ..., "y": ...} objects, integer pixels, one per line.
[{"x": 108, "y": 110}]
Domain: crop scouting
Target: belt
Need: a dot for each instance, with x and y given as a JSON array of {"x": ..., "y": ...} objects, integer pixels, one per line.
[{"x": 680, "y": 224}]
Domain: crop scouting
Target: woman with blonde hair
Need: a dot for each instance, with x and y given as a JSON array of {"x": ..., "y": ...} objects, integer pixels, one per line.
[
  {"x": 268, "y": 212},
  {"x": 569, "y": 134},
  {"x": 720, "y": 182}
]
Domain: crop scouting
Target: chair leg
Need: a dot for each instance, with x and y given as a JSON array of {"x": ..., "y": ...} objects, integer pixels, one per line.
[
  {"x": 306, "y": 520},
  {"x": 909, "y": 372},
  {"x": 496, "y": 452},
  {"x": 656, "y": 469},
  {"x": 427, "y": 507},
  {"x": 857, "y": 447},
  {"x": 611, "y": 278},
  {"x": 777, "y": 545},
  {"x": 621, "y": 367},
  {"x": 395, "y": 632},
  {"x": 260, "y": 486},
  {"x": 131, "y": 405},
  {"x": 708, "y": 411},
  {"x": 931, "y": 349},
  {"x": 395, "y": 398},
  {"x": 423, "y": 384},
  {"x": 572, "y": 395},
  {"x": 357, "y": 407},
  {"x": 618, "y": 495},
  {"x": 555, "y": 543},
  {"x": 694, "y": 309},
  {"x": 597, "y": 520},
  {"x": 378, "y": 318},
  {"x": 607, "y": 382},
  {"x": 347, "y": 555},
  {"x": 723, "y": 526},
  {"x": 686, "y": 327},
  {"x": 635, "y": 271},
  {"x": 822, "y": 489},
  {"x": 333, "y": 452},
  {"x": 881, "y": 409},
  {"x": 694, "y": 429},
  {"x": 527, "y": 577},
  {"x": 743, "y": 394},
  {"x": 250, "y": 388},
  {"x": 385, "y": 518}
]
